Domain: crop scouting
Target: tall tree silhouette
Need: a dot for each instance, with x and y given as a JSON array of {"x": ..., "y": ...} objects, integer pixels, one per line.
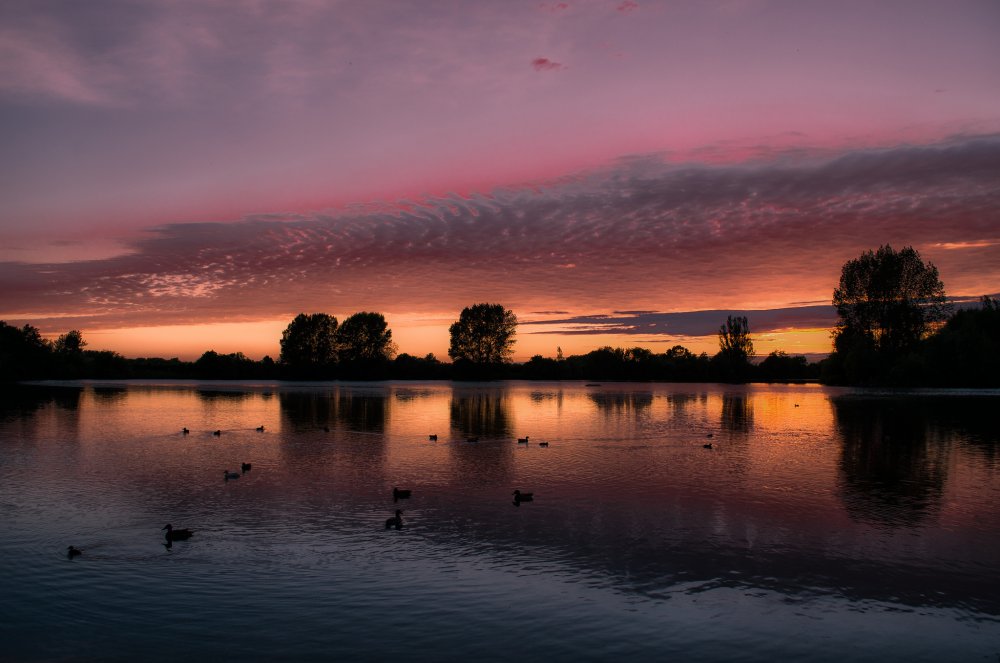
[
  {"x": 735, "y": 343},
  {"x": 365, "y": 338},
  {"x": 309, "y": 343},
  {"x": 483, "y": 334},
  {"x": 887, "y": 300}
]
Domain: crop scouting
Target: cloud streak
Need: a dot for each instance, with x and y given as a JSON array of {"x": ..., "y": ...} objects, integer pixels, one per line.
[{"x": 643, "y": 234}]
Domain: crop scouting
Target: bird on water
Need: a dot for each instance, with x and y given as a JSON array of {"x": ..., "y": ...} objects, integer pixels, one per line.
[
  {"x": 245, "y": 467},
  {"x": 73, "y": 551},
  {"x": 522, "y": 497},
  {"x": 396, "y": 521},
  {"x": 177, "y": 534},
  {"x": 227, "y": 475},
  {"x": 398, "y": 494}
]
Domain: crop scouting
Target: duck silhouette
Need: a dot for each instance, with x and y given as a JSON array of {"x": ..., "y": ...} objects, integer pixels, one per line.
[
  {"x": 177, "y": 534},
  {"x": 217, "y": 433},
  {"x": 245, "y": 467},
  {"x": 396, "y": 521},
  {"x": 522, "y": 497},
  {"x": 227, "y": 475},
  {"x": 184, "y": 431},
  {"x": 707, "y": 446},
  {"x": 432, "y": 438},
  {"x": 522, "y": 440},
  {"x": 543, "y": 444},
  {"x": 260, "y": 429},
  {"x": 72, "y": 552},
  {"x": 398, "y": 494}
]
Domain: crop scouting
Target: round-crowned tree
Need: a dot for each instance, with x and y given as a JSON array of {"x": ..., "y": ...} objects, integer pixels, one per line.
[{"x": 483, "y": 334}]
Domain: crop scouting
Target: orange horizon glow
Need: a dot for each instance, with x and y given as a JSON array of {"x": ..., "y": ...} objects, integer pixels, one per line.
[{"x": 414, "y": 336}]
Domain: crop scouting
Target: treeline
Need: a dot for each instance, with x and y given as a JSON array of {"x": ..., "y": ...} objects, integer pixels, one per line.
[
  {"x": 896, "y": 328},
  {"x": 25, "y": 355}
]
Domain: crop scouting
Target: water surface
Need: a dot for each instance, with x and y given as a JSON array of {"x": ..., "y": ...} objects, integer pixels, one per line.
[{"x": 822, "y": 524}]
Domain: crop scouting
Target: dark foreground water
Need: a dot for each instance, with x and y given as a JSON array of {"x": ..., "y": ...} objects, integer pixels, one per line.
[{"x": 822, "y": 525}]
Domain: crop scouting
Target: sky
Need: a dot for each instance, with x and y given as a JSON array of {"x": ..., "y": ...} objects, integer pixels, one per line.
[{"x": 183, "y": 176}]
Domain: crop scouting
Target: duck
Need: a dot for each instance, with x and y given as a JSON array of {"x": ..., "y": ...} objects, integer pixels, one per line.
[
  {"x": 260, "y": 429},
  {"x": 710, "y": 435},
  {"x": 73, "y": 551},
  {"x": 432, "y": 438},
  {"x": 227, "y": 475},
  {"x": 398, "y": 494},
  {"x": 522, "y": 440},
  {"x": 217, "y": 433},
  {"x": 185, "y": 431},
  {"x": 543, "y": 444},
  {"x": 707, "y": 446},
  {"x": 177, "y": 534},
  {"x": 523, "y": 497},
  {"x": 245, "y": 467},
  {"x": 396, "y": 521}
]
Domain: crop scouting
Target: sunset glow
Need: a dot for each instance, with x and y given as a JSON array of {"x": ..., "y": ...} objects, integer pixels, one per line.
[{"x": 186, "y": 177}]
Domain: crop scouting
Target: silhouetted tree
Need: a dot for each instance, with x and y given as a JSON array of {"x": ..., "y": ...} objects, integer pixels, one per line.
[
  {"x": 734, "y": 339},
  {"x": 966, "y": 351},
  {"x": 365, "y": 338},
  {"x": 780, "y": 366},
  {"x": 408, "y": 367},
  {"x": 887, "y": 301},
  {"x": 70, "y": 344},
  {"x": 24, "y": 354},
  {"x": 735, "y": 350},
  {"x": 233, "y": 366},
  {"x": 309, "y": 344},
  {"x": 483, "y": 334}
]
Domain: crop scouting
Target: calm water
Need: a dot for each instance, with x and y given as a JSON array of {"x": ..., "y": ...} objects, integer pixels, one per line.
[{"x": 822, "y": 525}]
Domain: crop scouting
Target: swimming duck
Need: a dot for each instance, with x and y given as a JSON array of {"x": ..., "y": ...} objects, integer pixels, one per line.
[
  {"x": 523, "y": 497},
  {"x": 72, "y": 552},
  {"x": 260, "y": 429},
  {"x": 707, "y": 446},
  {"x": 227, "y": 475},
  {"x": 522, "y": 440},
  {"x": 398, "y": 494},
  {"x": 396, "y": 521},
  {"x": 184, "y": 431},
  {"x": 217, "y": 433},
  {"x": 177, "y": 534},
  {"x": 543, "y": 444},
  {"x": 245, "y": 467},
  {"x": 432, "y": 438}
]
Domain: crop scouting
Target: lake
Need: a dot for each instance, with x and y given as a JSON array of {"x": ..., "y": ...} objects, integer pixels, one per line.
[{"x": 823, "y": 524}]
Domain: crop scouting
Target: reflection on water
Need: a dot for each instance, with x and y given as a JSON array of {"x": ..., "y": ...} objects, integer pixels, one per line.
[
  {"x": 893, "y": 473},
  {"x": 628, "y": 403},
  {"x": 481, "y": 413},
  {"x": 737, "y": 413},
  {"x": 858, "y": 520}
]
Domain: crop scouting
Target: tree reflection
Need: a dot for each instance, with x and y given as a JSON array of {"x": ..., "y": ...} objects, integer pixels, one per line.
[
  {"x": 481, "y": 414},
  {"x": 621, "y": 403},
  {"x": 23, "y": 401},
  {"x": 322, "y": 410},
  {"x": 737, "y": 413},
  {"x": 892, "y": 471}
]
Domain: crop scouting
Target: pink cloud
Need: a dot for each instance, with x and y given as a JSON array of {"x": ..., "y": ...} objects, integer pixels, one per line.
[
  {"x": 545, "y": 64},
  {"x": 628, "y": 6}
]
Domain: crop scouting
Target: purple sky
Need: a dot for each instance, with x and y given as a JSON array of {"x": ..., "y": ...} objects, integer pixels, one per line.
[{"x": 192, "y": 164}]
